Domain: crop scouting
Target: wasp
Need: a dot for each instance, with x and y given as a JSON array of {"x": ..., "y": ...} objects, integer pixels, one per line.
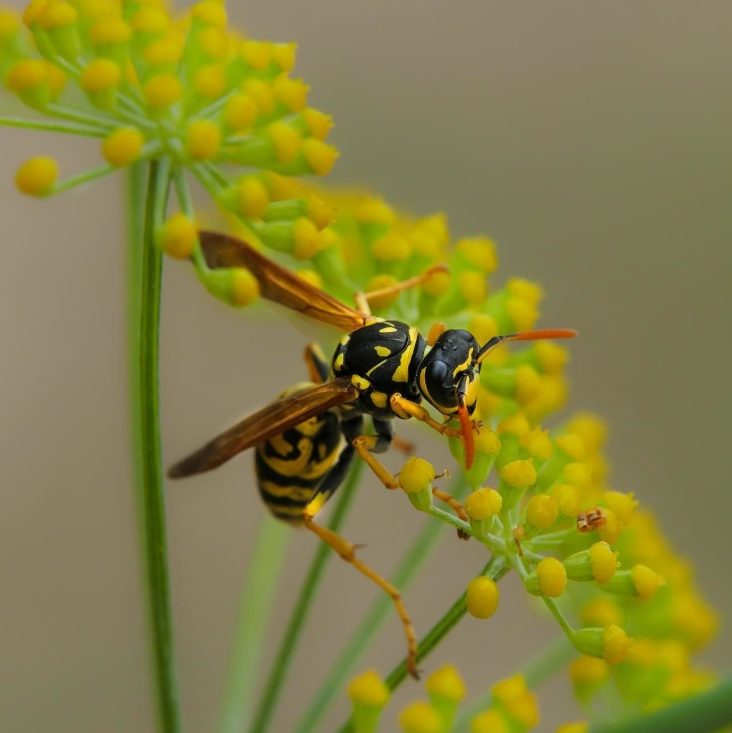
[{"x": 380, "y": 368}]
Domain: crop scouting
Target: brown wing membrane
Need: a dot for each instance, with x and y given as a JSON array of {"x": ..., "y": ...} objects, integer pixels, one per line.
[
  {"x": 278, "y": 284},
  {"x": 265, "y": 424}
]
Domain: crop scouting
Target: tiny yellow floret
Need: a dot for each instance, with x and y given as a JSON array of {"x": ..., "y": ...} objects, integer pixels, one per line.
[
  {"x": 318, "y": 123},
  {"x": 377, "y": 283},
  {"x": 487, "y": 442},
  {"x": 472, "y": 287},
  {"x": 203, "y": 139},
  {"x": 110, "y": 30},
  {"x": 293, "y": 93},
  {"x": 123, "y": 146},
  {"x": 529, "y": 291},
  {"x": 57, "y": 15},
  {"x": 100, "y": 75},
  {"x": 538, "y": 443},
  {"x": 489, "y": 721},
  {"x": 321, "y": 212},
  {"x": 437, "y": 284},
  {"x": 37, "y": 175},
  {"x": 447, "y": 683},
  {"x": 483, "y": 327},
  {"x": 244, "y": 287},
  {"x": 150, "y": 20},
  {"x": 483, "y": 503},
  {"x": 586, "y": 670},
  {"x": 240, "y": 112},
  {"x": 163, "y": 90},
  {"x": 482, "y": 597},
  {"x": 211, "y": 13},
  {"x": 311, "y": 277},
  {"x": 284, "y": 54},
  {"x": 600, "y": 612},
  {"x": 523, "y": 314},
  {"x": 645, "y": 580},
  {"x": 568, "y": 498},
  {"x": 517, "y": 424},
  {"x": 9, "y": 23},
  {"x": 480, "y": 252},
  {"x": 320, "y": 156},
  {"x": 572, "y": 445},
  {"x": 552, "y": 577},
  {"x": 253, "y": 197},
  {"x": 519, "y": 474},
  {"x": 392, "y": 247},
  {"x": 368, "y": 689},
  {"x": 622, "y": 505},
  {"x": 552, "y": 358},
  {"x": 542, "y": 511},
  {"x": 420, "y": 717},
  {"x": 615, "y": 644},
  {"x": 210, "y": 81},
  {"x": 509, "y": 688},
  {"x": 306, "y": 239},
  {"x": 603, "y": 562},
  {"x": 179, "y": 236},
  {"x": 26, "y": 75},
  {"x": 579, "y": 726},
  {"x": 416, "y": 475}
]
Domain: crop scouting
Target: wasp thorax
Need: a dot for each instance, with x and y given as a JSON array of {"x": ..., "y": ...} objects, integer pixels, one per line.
[{"x": 451, "y": 360}]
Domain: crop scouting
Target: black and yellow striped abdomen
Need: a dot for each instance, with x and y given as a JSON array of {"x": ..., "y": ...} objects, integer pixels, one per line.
[{"x": 290, "y": 467}]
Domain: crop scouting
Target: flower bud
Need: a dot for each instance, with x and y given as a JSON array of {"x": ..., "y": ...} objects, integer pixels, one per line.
[
  {"x": 549, "y": 579},
  {"x": 482, "y": 597}
]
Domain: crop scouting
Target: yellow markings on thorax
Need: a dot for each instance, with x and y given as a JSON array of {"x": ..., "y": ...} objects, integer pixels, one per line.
[
  {"x": 339, "y": 360},
  {"x": 360, "y": 383},
  {"x": 379, "y": 399},
  {"x": 382, "y": 351},
  {"x": 401, "y": 373},
  {"x": 387, "y": 329},
  {"x": 464, "y": 366},
  {"x": 344, "y": 339}
]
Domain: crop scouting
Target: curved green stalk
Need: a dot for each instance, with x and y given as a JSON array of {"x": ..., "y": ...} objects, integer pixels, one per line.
[
  {"x": 276, "y": 679},
  {"x": 703, "y": 713},
  {"x": 410, "y": 563},
  {"x": 146, "y": 211},
  {"x": 268, "y": 555},
  {"x": 495, "y": 568}
]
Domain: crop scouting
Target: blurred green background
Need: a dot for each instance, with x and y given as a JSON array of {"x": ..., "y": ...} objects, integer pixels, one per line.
[{"x": 591, "y": 140}]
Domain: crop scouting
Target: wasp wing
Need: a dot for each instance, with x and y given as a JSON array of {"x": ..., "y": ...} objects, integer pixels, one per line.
[
  {"x": 279, "y": 284},
  {"x": 272, "y": 420}
]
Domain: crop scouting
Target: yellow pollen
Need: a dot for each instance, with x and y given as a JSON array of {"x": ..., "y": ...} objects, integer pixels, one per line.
[
  {"x": 483, "y": 503},
  {"x": 552, "y": 577},
  {"x": 646, "y": 581},
  {"x": 615, "y": 644},
  {"x": 416, "y": 475},
  {"x": 603, "y": 562},
  {"x": 542, "y": 511},
  {"x": 482, "y": 597},
  {"x": 179, "y": 236},
  {"x": 319, "y": 156},
  {"x": 519, "y": 474}
]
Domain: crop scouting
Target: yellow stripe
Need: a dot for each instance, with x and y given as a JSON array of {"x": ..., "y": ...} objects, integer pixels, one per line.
[
  {"x": 296, "y": 493},
  {"x": 464, "y": 366},
  {"x": 401, "y": 373},
  {"x": 292, "y": 467},
  {"x": 387, "y": 329},
  {"x": 316, "y": 470},
  {"x": 379, "y": 399}
]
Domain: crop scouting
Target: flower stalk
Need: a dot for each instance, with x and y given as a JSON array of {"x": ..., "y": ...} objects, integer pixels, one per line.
[{"x": 146, "y": 211}]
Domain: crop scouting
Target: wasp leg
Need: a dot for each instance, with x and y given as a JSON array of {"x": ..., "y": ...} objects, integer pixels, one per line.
[
  {"x": 399, "y": 287},
  {"x": 316, "y": 363},
  {"x": 348, "y": 552},
  {"x": 456, "y": 506},
  {"x": 362, "y": 303},
  {"x": 406, "y": 408},
  {"x": 403, "y": 446},
  {"x": 436, "y": 330}
]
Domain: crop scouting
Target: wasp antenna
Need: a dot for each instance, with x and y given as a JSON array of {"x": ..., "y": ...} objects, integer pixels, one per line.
[{"x": 536, "y": 335}]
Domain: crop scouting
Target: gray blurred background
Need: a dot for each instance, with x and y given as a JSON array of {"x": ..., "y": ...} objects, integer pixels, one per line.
[{"x": 591, "y": 140}]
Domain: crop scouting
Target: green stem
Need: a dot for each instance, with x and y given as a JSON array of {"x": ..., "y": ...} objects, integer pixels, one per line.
[
  {"x": 275, "y": 682},
  {"x": 255, "y": 605},
  {"x": 539, "y": 669},
  {"x": 56, "y": 126},
  {"x": 146, "y": 210},
  {"x": 410, "y": 563},
  {"x": 496, "y": 568},
  {"x": 703, "y": 713}
]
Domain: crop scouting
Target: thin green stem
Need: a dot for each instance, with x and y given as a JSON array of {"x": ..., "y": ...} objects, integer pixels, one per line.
[
  {"x": 276, "y": 679},
  {"x": 255, "y": 605},
  {"x": 496, "y": 568},
  {"x": 539, "y": 669},
  {"x": 411, "y": 562},
  {"x": 56, "y": 126},
  {"x": 146, "y": 210},
  {"x": 703, "y": 713}
]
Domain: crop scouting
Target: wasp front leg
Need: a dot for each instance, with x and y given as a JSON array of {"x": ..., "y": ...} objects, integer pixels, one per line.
[{"x": 405, "y": 408}]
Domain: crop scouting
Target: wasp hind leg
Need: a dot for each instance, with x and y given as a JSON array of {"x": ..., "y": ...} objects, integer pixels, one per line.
[
  {"x": 347, "y": 550},
  {"x": 364, "y": 301}
]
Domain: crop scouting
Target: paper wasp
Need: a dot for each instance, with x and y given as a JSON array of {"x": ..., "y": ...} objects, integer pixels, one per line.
[{"x": 381, "y": 368}]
